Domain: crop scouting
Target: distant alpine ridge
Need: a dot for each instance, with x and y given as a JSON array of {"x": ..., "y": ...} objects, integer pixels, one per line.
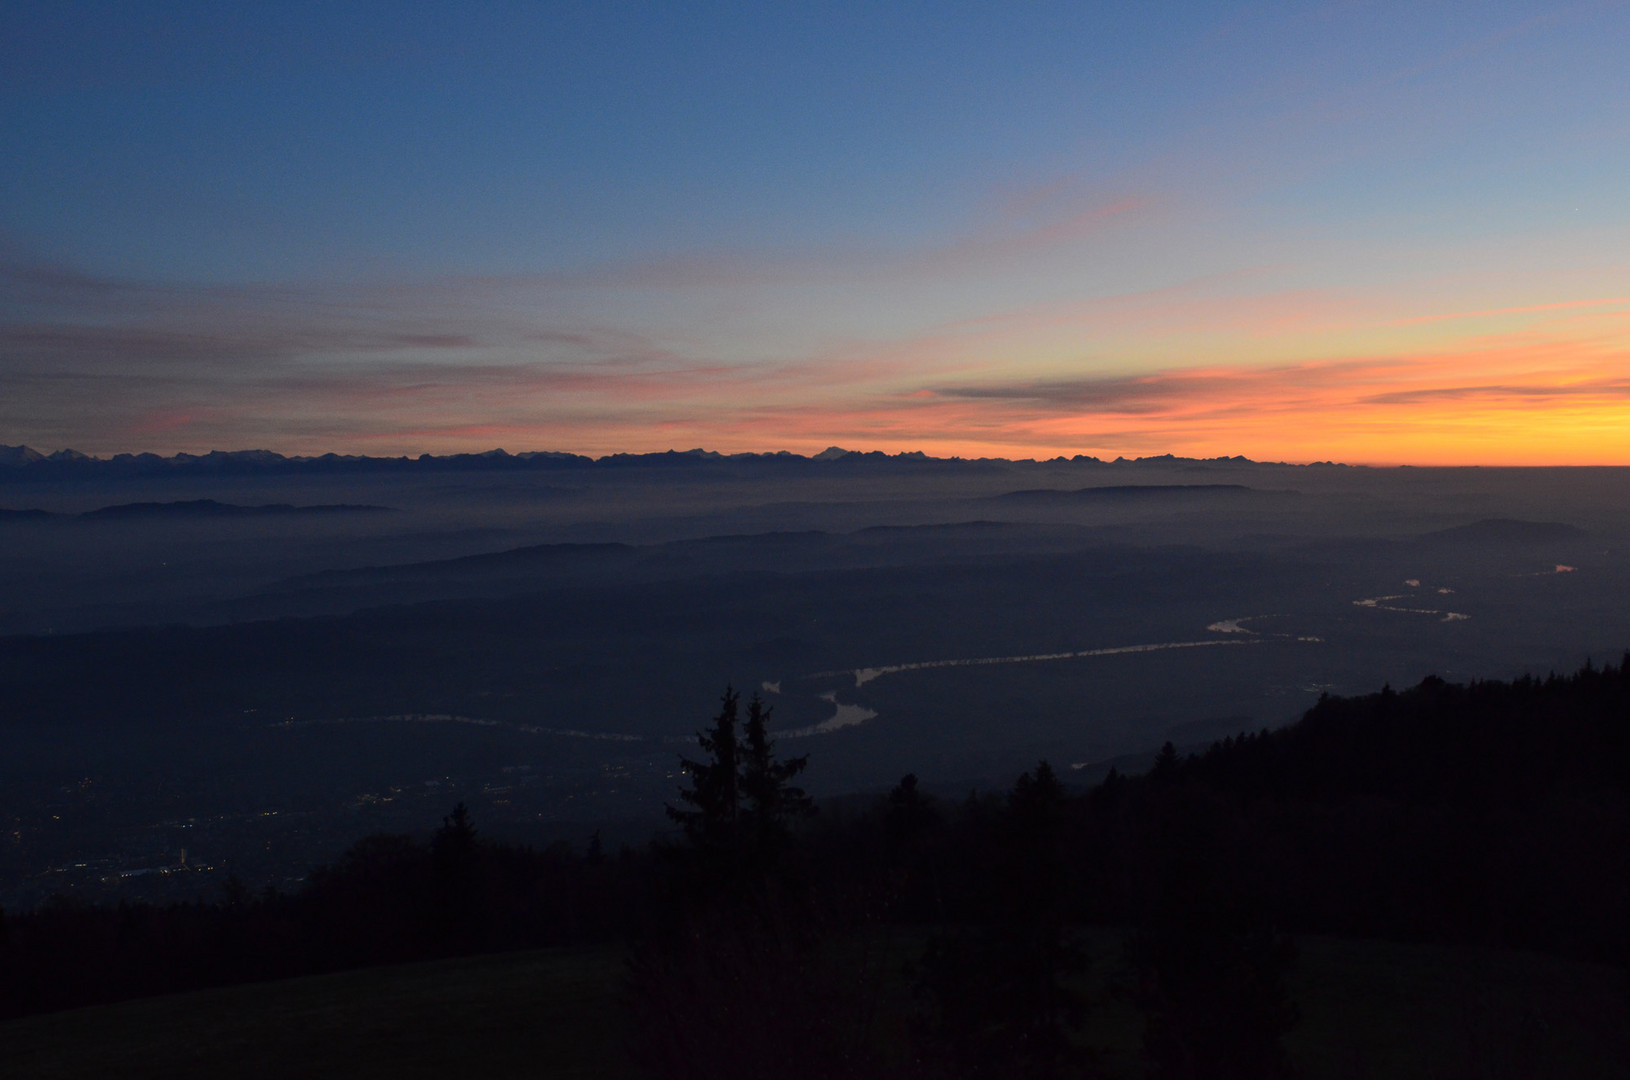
[{"x": 257, "y": 462}]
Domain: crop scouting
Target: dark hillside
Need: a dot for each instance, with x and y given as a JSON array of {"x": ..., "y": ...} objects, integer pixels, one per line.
[
  {"x": 1490, "y": 813},
  {"x": 1489, "y": 816}
]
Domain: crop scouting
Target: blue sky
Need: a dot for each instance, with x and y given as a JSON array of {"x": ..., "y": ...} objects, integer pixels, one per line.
[{"x": 596, "y": 227}]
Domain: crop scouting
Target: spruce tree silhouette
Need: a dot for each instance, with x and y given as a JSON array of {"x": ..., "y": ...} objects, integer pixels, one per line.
[
  {"x": 771, "y": 802},
  {"x": 453, "y": 856},
  {"x": 714, "y": 792},
  {"x": 727, "y": 984},
  {"x": 908, "y": 817},
  {"x": 1166, "y": 764},
  {"x": 740, "y": 805},
  {"x": 711, "y": 803}
]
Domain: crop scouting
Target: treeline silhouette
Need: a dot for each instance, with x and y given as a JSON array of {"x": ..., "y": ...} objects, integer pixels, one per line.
[
  {"x": 390, "y": 899},
  {"x": 1495, "y": 814}
]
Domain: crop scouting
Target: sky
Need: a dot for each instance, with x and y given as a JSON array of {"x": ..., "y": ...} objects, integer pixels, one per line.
[{"x": 1378, "y": 233}]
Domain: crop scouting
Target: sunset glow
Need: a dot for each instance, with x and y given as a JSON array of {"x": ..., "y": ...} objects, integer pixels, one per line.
[{"x": 1383, "y": 236}]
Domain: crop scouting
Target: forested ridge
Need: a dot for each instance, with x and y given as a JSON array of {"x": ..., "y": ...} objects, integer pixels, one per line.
[{"x": 1492, "y": 814}]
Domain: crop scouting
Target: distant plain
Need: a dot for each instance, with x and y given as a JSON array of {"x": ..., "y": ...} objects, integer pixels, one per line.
[{"x": 541, "y": 639}]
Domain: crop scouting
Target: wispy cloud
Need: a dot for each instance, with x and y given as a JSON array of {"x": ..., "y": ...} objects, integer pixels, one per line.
[
  {"x": 1518, "y": 394},
  {"x": 1219, "y": 364},
  {"x": 1526, "y": 309}
]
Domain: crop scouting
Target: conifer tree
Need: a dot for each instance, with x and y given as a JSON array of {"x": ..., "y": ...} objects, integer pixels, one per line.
[
  {"x": 1166, "y": 764},
  {"x": 453, "y": 856},
  {"x": 772, "y": 803},
  {"x": 714, "y": 793},
  {"x": 741, "y": 799}
]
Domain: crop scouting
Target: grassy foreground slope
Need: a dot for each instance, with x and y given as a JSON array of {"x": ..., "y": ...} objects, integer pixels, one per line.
[
  {"x": 1380, "y": 1009},
  {"x": 1369, "y": 1008},
  {"x": 547, "y": 1013}
]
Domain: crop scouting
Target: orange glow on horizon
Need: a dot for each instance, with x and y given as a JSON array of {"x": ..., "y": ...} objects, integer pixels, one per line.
[
  {"x": 1292, "y": 376},
  {"x": 1506, "y": 401}
]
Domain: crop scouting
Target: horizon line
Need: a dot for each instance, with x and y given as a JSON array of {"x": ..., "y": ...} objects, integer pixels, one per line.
[{"x": 22, "y": 456}]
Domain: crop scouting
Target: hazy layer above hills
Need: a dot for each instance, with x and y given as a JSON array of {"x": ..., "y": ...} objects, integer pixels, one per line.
[{"x": 541, "y": 635}]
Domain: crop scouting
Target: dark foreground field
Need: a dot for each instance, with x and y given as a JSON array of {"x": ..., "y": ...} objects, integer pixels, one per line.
[{"x": 1369, "y": 1009}]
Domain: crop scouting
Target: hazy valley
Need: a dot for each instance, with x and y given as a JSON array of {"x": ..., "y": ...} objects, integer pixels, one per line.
[{"x": 260, "y": 661}]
